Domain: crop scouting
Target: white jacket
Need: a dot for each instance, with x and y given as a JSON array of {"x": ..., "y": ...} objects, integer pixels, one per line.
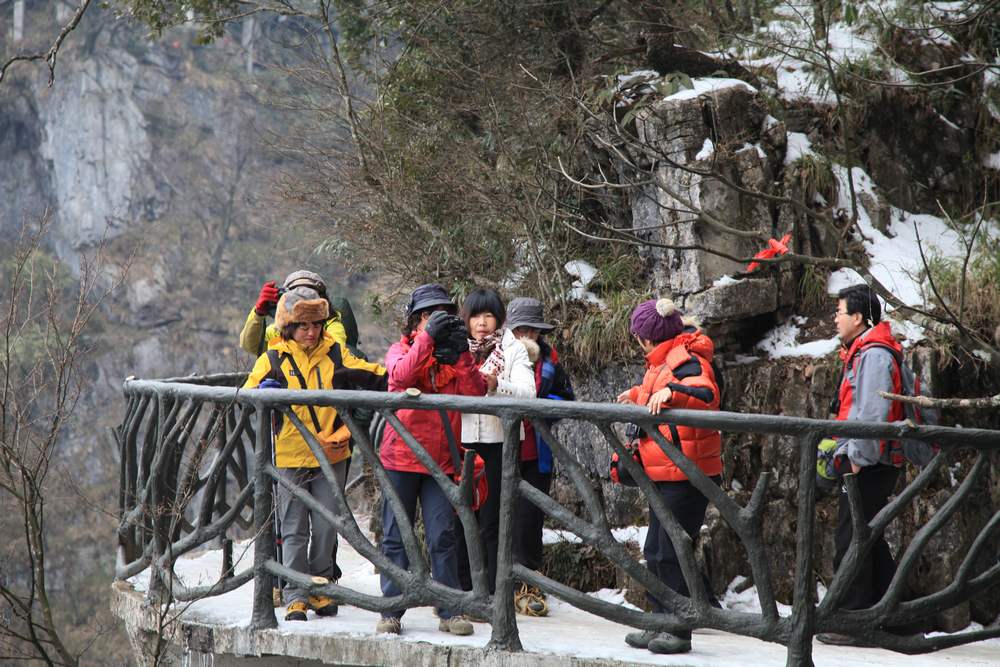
[{"x": 517, "y": 380}]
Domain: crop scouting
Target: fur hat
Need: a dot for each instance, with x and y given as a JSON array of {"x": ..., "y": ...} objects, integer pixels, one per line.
[
  {"x": 656, "y": 320},
  {"x": 300, "y": 304}
]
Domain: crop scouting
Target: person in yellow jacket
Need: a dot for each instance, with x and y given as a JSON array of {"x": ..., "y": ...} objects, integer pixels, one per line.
[
  {"x": 256, "y": 334},
  {"x": 306, "y": 356}
]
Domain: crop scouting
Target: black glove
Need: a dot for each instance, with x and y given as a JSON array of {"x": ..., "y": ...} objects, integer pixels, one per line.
[
  {"x": 446, "y": 355},
  {"x": 440, "y": 322},
  {"x": 454, "y": 342}
]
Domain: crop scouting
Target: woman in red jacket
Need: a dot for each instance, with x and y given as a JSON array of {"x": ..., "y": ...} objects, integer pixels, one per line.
[
  {"x": 427, "y": 358},
  {"x": 679, "y": 374}
]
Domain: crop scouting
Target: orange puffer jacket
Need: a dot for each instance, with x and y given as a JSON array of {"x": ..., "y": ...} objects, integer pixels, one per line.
[{"x": 683, "y": 363}]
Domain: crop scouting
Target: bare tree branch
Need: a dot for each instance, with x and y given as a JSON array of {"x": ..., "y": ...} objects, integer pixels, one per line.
[{"x": 49, "y": 56}]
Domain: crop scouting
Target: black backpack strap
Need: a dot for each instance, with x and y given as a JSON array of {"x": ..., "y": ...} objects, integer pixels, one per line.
[
  {"x": 336, "y": 356},
  {"x": 302, "y": 383},
  {"x": 276, "y": 373},
  {"x": 456, "y": 459}
]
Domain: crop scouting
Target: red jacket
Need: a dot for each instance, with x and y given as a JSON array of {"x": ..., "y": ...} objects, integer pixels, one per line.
[
  {"x": 684, "y": 363},
  {"x": 410, "y": 363},
  {"x": 868, "y": 368}
]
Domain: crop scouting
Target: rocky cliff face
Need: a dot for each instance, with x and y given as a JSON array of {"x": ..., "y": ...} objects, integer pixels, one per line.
[{"x": 687, "y": 133}]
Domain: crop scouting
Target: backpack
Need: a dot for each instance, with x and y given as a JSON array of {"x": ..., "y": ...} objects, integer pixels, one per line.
[
  {"x": 275, "y": 358},
  {"x": 917, "y": 452}
]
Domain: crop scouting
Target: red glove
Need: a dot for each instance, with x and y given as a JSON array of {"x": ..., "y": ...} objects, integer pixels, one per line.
[{"x": 267, "y": 300}]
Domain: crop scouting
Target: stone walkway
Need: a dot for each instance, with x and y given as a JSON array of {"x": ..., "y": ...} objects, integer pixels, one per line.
[{"x": 566, "y": 637}]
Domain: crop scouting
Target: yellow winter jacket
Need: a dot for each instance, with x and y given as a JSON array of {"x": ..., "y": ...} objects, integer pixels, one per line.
[
  {"x": 254, "y": 329},
  {"x": 329, "y": 365}
]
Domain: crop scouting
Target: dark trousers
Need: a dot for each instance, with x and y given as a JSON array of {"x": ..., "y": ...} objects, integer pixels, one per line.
[
  {"x": 438, "y": 516},
  {"x": 876, "y": 483},
  {"x": 688, "y": 506},
  {"x": 529, "y": 520},
  {"x": 488, "y": 517}
]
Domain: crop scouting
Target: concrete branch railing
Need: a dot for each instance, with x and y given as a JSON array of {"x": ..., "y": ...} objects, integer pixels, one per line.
[{"x": 174, "y": 486}]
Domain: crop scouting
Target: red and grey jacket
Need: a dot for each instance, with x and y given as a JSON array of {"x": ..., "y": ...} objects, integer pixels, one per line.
[
  {"x": 410, "y": 363},
  {"x": 683, "y": 363},
  {"x": 870, "y": 366}
]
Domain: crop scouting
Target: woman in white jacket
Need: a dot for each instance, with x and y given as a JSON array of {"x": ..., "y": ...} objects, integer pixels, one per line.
[{"x": 504, "y": 363}]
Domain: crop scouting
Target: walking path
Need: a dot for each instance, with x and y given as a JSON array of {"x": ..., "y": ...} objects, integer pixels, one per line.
[{"x": 566, "y": 637}]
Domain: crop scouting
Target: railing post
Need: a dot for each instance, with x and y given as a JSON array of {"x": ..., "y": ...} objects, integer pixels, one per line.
[
  {"x": 263, "y": 599},
  {"x": 803, "y": 604},
  {"x": 505, "y": 634}
]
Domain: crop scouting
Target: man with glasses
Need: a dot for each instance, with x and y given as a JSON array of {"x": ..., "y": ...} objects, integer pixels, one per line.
[{"x": 869, "y": 352}]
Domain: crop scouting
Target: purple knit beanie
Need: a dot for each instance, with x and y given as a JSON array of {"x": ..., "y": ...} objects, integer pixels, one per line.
[{"x": 656, "y": 320}]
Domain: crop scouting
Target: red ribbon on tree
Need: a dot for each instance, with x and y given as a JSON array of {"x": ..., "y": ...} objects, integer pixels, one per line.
[{"x": 773, "y": 249}]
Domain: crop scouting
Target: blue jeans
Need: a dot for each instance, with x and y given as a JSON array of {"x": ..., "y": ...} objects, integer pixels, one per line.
[{"x": 439, "y": 518}]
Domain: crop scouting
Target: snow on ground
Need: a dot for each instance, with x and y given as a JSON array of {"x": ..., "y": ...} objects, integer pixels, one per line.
[
  {"x": 788, "y": 46},
  {"x": 798, "y": 146},
  {"x": 584, "y": 272},
  {"x": 782, "y": 341},
  {"x": 709, "y": 85},
  {"x": 566, "y": 631},
  {"x": 726, "y": 280},
  {"x": 895, "y": 257},
  {"x": 707, "y": 150}
]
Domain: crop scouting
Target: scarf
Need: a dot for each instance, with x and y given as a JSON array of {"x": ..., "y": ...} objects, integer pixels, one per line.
[{"x": 488, "y": 352}]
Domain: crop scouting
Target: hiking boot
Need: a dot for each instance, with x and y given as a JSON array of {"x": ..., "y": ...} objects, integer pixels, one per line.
[
  {"x": 456, "y": 625},
  {"x": 530, "y": 601},
  {"x": 296, "y": 611},
  {"x": 640, "y": 639},
  {"x": 389, "y": 625},
  {"x": 838, "y": 639},
  {"x": 665, "y": 642},
  {"x": 476, "y": 618},
  {"x": 323, "y": 605}
]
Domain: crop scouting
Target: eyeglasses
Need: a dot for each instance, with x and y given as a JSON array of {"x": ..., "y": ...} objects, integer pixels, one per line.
[{"x": 305, "y": 326}]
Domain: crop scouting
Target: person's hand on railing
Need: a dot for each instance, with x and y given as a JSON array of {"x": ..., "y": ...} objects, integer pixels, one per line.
[
  {"x": 625, "y": 397},
  {"x": 269, "y": 383},
  {"x": 658, "y": 400}
]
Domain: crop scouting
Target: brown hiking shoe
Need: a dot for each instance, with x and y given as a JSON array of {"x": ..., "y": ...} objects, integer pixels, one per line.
[
  {"x": 456, "y": 625},
  {"x": 389, "y": 625}
]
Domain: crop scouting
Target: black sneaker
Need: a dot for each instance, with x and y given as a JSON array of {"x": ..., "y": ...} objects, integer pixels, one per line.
[
  {"x": 668, "y": 643},
  {"x": 640, "y": 639}
]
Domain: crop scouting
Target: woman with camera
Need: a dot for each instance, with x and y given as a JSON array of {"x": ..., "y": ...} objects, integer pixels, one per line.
[{"x": 432, "y": 356}]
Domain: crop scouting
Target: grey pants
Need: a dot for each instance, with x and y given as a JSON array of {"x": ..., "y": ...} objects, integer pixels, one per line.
[{"x": 308, "y": 541}]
